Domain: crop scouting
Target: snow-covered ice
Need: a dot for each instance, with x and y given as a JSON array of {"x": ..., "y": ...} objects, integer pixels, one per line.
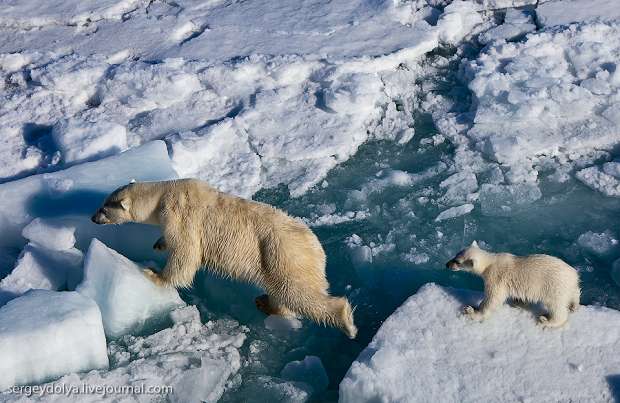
[
  {"x": 49, "y": 261},
  {"x": 566, "y": 12},
  {"x": 428, "y": 351},
  {"x": 606, "y": 181},
  {"x": 552, "y": 95},
  {"x": 456, "y": 211},
  {"x": 78, "y": 190},
  {"x": 598, "y": 243},
  {"x": 46, "y": 334},
  {"x": 49, "y": 234},
  {"x": 79, "y": 141},
  {"x": 323, "y": 109},
  {"x": 516, "y": 24},
  {"x": 41, "y": 268},
  {"x": 129, "y": 301},
  {"x": 195, "y": 361}
]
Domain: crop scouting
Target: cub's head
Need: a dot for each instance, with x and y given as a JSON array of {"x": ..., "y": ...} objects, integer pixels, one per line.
[
  {"x": 116, "y": 208},
  {"x": 467, "y": 259}
]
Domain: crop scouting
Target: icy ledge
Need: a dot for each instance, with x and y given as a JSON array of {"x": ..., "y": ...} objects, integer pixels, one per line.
[
  {"x": 427, "y": 351},
  {"x": 197, "y": 361},
  {"x": 46, "y": 334},
  {"x": 129, "y": 302}
]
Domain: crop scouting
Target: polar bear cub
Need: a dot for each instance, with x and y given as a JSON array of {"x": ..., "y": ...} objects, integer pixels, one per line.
[
  {"x": 236, "y": 238},
  {"x": 535, "y": 278}
]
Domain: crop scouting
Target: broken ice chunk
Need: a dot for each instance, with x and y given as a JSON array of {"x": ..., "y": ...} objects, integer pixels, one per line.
[
  {"x": 128, "y": 300},
  {"x": 309, "y": 371},
  {"x": 280, "y": 324},
  {"x": 41, "y": 268},
  {"x": 393, "y": 369},
  {"x": 46, "y": 334},
  {"x": 505, "y": 200},
  {"x": 603, "y": 181},
  {"x": 80, "y": 140},
  {"x": 598, "y": 243},
  {"x": 455, "y": 212},
  {"x": 49, "y": 234}
]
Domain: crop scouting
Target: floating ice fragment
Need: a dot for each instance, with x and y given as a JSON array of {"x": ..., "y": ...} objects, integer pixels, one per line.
[
  {"x": 310, "y": 371},
  {"x": 41, "y": 268},
  {"x": 455, "y": 212},
  {"x": 46, "y": 334},
  {"x": 394, "y": 369},
  {"x": 49, "y": 234},
  {"x": 281, "y": 324},
  {"x": 128, "y": 300},
  {"x": 598, "y": 243},
  {"x": 505, "y": 200}
]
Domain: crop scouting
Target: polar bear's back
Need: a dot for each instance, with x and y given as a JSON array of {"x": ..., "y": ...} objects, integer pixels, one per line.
[{"x": 537, "y": 277}]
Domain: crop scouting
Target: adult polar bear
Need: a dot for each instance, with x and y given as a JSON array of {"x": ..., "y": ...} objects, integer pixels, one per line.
[{"x": 237, "y": 238}]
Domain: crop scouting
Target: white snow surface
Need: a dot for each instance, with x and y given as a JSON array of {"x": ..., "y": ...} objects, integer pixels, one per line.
[
  {"x": 78, "y": 190},
  {"x": 197, "y": 361},
  {"x": 46, "y": 334},
  {"x": 49, "y": 234},
  {"x": 253, "y": 94},
  {"x": 41, "y": 268},
  {"x": 554, "y": 95},
  {"x": 239, "y": 104},
  {"x": 128, "y": 300},
  {"x": 428, "y": 351},
  {"x": 566, "y": 12}
]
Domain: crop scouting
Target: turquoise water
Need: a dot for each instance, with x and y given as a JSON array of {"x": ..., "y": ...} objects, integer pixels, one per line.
[{"x": 550, "y": 225}]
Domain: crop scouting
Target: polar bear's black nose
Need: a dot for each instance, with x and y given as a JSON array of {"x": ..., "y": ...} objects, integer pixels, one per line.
[
  {"x": 97, "y": 217},
  {"x": 452, "y": 264}
]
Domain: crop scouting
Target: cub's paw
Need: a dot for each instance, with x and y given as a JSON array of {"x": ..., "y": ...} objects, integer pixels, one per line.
[
  {"x": 472, "y": 313},
  {"x": 468, "y": 310},
  {"x": 160, "y": 245},
  {"x": 153, "y": 276},
  {"x": 543, "y": 321}
]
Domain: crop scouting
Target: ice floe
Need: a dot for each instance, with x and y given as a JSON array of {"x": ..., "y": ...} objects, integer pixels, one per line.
[
  {"x": 46, "y": 334},
  {"x": 129, "y": 301},
  {"x": 427, "y": 350}
]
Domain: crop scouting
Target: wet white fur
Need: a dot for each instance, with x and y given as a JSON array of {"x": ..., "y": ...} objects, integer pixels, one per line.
[{"x": 236, "y": 238}]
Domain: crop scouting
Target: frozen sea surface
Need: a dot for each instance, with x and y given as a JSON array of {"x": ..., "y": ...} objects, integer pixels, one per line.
[{"x": 400, "y": 131}]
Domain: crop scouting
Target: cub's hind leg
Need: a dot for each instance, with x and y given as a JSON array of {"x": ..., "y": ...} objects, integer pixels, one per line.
[{"x": 558, "y": 315}]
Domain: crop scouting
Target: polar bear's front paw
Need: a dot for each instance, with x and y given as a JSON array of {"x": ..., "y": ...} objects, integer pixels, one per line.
[
  {"x": 543, "y": 320},
  {"x": 153, "y": 276}
]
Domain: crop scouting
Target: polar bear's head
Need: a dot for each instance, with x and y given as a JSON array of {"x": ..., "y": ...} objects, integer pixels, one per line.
[
  {"x": 468, "y": 259},
  {"x": 116, "y": 208}
]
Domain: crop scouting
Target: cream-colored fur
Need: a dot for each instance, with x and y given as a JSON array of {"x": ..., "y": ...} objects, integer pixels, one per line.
[
  {"x": 535, "y": 278},
  {"x": 235, "y": 238}
]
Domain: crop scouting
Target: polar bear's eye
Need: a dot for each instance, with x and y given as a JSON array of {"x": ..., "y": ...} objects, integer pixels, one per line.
[{"x": 114, "y": 204}]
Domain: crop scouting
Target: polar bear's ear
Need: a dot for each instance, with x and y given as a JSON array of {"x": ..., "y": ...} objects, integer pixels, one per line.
[
  {"x": 125, "y": 203},
  {"x": 474, "y": 244}
]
